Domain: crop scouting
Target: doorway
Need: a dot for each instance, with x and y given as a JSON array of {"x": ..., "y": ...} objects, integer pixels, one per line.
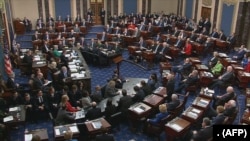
[
  {"x": 96, "y": 6},
  {"x": 205, "y": 12}
]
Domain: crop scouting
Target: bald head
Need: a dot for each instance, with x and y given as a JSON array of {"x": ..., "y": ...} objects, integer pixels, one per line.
[{"x": 230, "y": 89}]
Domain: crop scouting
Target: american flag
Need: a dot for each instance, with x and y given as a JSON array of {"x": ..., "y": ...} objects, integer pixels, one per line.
[{"x": 7, "y": 62}]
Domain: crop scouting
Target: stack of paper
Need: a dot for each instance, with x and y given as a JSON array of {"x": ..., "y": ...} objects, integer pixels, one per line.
[
  {"x": 97, "y": 124},
  {"x": 8, "y": 118},
  {"x": 176, "y": 127},
  {"x": 138, "y": 110},
  {"x": 73, "y": 129}
]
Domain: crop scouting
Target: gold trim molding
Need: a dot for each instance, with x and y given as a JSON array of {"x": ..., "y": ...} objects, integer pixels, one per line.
[
  {"x": 230, "y": 2},
  {"x": 207, "y": 2}
]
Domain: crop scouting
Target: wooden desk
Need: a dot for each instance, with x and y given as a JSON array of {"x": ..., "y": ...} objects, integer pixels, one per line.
[
  {"x": 165, "y": 66},
  {"x": 206, "y": 93},
  {"x": 132, "y": 50},
  {"x": 192, "y": 114},
  {"x": 222, "y": 45},
  {"x": 227, "y": 62},
  {"x": 154, "y": 101},
  {"x": 237, "y": 68},
  {"x": 139, "y": 111},
  {"x": 161, "y": 91},
  {"x": 195, "y": 60},
  {"x": 93, "y": 129},
  {"x": 206, "y": 78},
  {"x": 149, "y": 56},
  {"x": 174, "y": 52},
  {"x": 248, "y": 97},
  {"x": 197, "y": 47},
  {"x": 244, "y": 79},
  {"x": 176, "y": 128},
  {"x": 246, "y": 117},
  {"x": 18, "y": 116},
  {"x": 200, "y": 67},
  {"x": 201, "y": 103},
  {"x": 42, "y": 133},
  {"x": 60, "y": 130},
  {"x": 42, "y": 65}
]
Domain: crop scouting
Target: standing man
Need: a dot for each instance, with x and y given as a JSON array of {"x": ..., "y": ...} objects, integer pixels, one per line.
[{"x": 102, "y": 14}]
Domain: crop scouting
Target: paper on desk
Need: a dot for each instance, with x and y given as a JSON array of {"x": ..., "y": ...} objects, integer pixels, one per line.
[
  {"x": 204, "y": 101},
  {"x": 138, "y": 110},
  {"x": 8, "y": 118},
  {"x": 247, "y": 74},
  {"x": 57, "y": 131},
  {"x": 12, "y": 109},
  {"x": 39, "y": 62},
  {"x": 73, "y": 70},
  {"x": 176, "y": 127},
  {"x": 67, "y": 55},
  {"x": 71, "y": 63},
  {"x": 28, "y": 137},
  {"x": 72, "y": 66},
  {"x": 73, "y": 129},
  {"x": 196, "y": 111}
]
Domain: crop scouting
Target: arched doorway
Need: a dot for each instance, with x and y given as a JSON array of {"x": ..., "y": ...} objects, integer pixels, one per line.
[{"x": 96, "y": 6}]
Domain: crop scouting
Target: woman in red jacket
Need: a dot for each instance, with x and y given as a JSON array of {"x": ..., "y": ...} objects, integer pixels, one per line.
[
  {"x": 65, "y": 101},
  {"x": 188, "y": 48},
  {"x": 247, "y": 67}
]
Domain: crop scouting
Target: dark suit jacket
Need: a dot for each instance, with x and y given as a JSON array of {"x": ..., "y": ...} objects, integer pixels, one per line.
[
  {"x": 204, "y": 134},
  {"x": 11, "y": 84},
  {"x": 124, "y": 103},
  {"x": 93, "y": 113},
  {"x": 170, "y": 89},
  {"x": 227, "y": 77},
  {"x": 225, "y": 98},
  {"x": 172, "y": 105},
  {"x": 179, "y": 43},
  {"x": 105, "y": 137},
  {"x": 229, "y": 111},
  {"x": 223, "y": 37},
  {"x": 214, "y": 34},
  {"x": 214, "y": 60},
  {"x": 219, "y": 119},
  {"x": 38, "y": 84},
  {"x": 64, "y": 117},
  {"x": 138, "y": 97}
]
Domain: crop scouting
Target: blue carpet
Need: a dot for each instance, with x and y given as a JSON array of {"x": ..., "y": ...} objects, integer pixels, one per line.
[{"x": 100, "y": 76}]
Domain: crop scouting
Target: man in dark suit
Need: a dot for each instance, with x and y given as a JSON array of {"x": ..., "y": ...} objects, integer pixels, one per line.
[
  {"x": 40, "y": 106},
  {"x": 230, "y": 108},
  {"x": 214, "y": 34},
  {"x": 139, "y": 94},
  {"x": 231, "y": 40},
  {"x": 39, "y": 82},
  {"x": 225, "y": 78},
  {"x": 124, "y": 103},
  {"x": 179, "y": 43},
  {"x": 160, "y": 57},
  {"x": 205, "y": 133},
  {"x": 192, "y": 79},
  {"x": 219, "y": 119},
  {"x": 28, "y": 104},
  {"x": 102, "y": 15},
  {"x": 222, "y": 99},
  {"x": 11, "y": 84},
  {"x": 64, "y": 117},
  {"x": 174, "y": 103},
  {"x": 222, "y": 36},
  {"x": 53, "y": 99},
  {"x": 93, "y": 113},
  {"x": 176, "y": 32},
  {"x": 46, "y": 48},
  {"x": 170, "y": 86},
  {"x": 74, "y": 96},
  {"x": 64, "y": 74},
  {"x": 27, "y": 24},
  {"x": 68, "y": 19},
  {"x": 15, "y": 99},
  {"x": 207, "y": 24},
  {"x": 146, "y": 88},
  {"x": 239, "y": 55}
]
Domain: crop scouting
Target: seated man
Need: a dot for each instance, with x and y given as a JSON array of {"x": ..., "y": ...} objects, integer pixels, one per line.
[
  {"x": 93, "y": 113},
  {"x": 230, "y": 108},
  {"x": 139, "y": 94},
  {"x": 219, "y": 119},
  {"x": 110, "y": 90},
  {"x": 184, "y": 68},
  {"x": 174, "y": 103},
  {"x": 239, "y": 55},
  {"x": 192, "y": 79},
  {"x": 224, "y": 78},
  {"x": 222, "y": 99},
  {"x": 158, "y": 117},
  {"x": 205, "y": 133},
  {"x": 63, "y": 116},
  {"x": 11, "y": 84}
]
